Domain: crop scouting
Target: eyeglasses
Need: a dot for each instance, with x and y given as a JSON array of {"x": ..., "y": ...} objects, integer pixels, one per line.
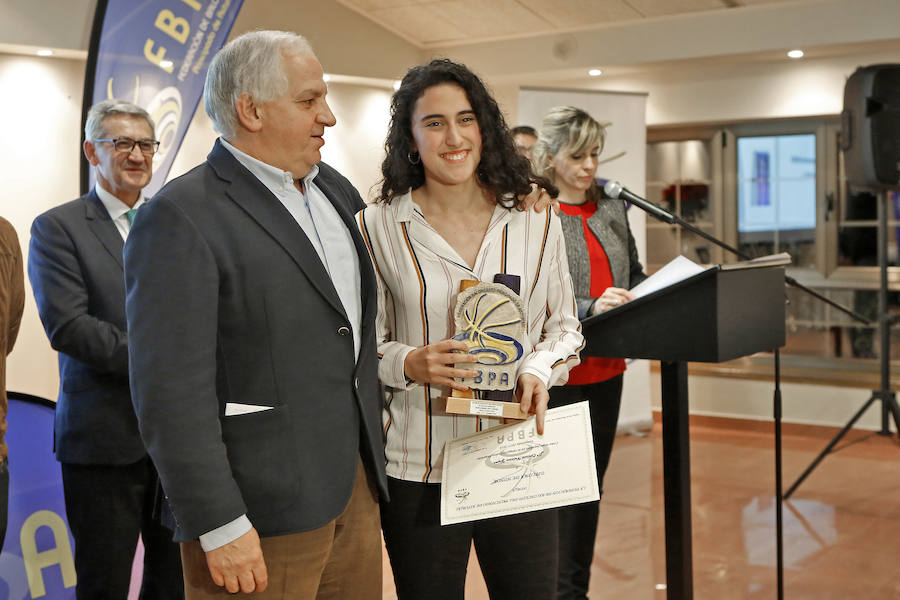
[{"x": 125, "y": 144}]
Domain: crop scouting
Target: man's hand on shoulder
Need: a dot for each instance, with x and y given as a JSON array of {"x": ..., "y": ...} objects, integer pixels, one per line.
[{"x": 239, "y": 565}]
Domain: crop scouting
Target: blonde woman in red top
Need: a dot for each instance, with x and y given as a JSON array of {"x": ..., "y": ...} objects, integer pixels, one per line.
[{"x": 603, "y": 263}]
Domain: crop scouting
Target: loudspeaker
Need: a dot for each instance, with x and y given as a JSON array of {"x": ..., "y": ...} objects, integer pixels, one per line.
[{"x": 870, "y": 136}]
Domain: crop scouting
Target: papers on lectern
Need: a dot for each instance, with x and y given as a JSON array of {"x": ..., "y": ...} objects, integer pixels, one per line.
[
  {"x": 677, "y": 269},
  {"x": 681, "y": 268},
  {"x": 770, "y": 260}
]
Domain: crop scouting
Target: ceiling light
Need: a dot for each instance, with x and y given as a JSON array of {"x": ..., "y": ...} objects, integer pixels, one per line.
[
  {"x": 326, "y": 77},
  {"x": 396, "y": 85},
  {"x": 45, "y": 52},
  {"x": 796, "y": 53},
  {"x": 166, "y": 64},
  {"x": 595, "y": 72}
]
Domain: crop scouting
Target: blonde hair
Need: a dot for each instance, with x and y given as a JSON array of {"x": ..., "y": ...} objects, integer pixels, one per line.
[{"x": 565, "y": 130}]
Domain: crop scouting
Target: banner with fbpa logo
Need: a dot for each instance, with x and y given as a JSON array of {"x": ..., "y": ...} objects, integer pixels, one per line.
[{"x": 155, "y": 53}]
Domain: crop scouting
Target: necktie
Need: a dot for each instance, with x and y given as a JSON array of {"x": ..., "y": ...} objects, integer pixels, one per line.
[{"x": 129, "y": 214}]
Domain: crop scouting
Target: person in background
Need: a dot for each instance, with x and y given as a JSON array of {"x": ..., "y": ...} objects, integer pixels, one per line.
[
  {"x": 75, "y": 266},
  {"x": 524, "y": 137},
  {"x": 251, "y": 310},
  {"x": 603, "y": 263},
  {"x": 451, "y": 209},
  {"x": 12, "y": 303}
]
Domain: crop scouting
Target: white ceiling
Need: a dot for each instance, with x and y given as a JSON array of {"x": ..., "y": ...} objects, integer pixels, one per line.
[
  {"x": 443, "y": 23},
  {"x": 524, "y": 42}
]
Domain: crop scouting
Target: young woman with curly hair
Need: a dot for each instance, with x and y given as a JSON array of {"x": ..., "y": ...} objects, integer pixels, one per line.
[{"x": 450, "y": 210}]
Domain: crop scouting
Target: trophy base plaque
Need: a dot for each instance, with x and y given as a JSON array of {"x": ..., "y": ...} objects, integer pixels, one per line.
[{"x": 466, "y": 405}]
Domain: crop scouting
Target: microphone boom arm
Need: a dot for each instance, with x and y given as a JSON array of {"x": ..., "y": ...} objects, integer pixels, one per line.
[{"x": 614, "y": 189}]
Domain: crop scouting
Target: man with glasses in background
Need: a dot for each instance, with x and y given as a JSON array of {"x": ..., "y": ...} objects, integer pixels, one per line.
[{"x": 76, "y": 271}]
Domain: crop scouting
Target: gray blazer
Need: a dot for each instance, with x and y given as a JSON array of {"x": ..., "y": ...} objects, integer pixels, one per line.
[
  {"x": 610, "y": 225},
  {"x": 228, "y": 302},
  {"x": 75, "y": 266}
]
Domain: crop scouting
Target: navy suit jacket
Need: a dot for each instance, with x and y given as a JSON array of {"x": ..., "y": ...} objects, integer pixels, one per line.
[
  {"x": 75, "y": 267},
  {"x": 228, "y": 302}
]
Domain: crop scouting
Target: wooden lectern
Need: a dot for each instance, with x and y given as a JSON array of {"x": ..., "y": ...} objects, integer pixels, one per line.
[{"x": 714, "y": 316}]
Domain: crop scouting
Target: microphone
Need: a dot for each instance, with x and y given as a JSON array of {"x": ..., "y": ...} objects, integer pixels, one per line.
[{"x": 614, "y": 189}]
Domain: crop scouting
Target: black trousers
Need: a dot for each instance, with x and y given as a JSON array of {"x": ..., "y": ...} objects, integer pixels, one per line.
[
  {"x": 517, "y": 554},
  {"x": 578, "y": 523},
  {"x": 107, "y": 507}
]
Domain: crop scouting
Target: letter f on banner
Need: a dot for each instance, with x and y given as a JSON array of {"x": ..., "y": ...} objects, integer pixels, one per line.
[{"x": 60, "y": 554}]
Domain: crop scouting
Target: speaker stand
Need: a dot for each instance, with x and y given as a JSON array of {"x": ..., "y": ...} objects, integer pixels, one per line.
[{"x": 885, "y": 395}]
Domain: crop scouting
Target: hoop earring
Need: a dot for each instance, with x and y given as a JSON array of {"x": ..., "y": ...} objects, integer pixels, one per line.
[{"x": 410, "y": 155}]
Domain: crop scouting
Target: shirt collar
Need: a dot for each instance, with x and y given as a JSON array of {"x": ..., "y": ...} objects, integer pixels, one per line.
[
  {"x": 404, "y": 207},
  {"x": 115, "y": 207},
  {"x": 271, "y": 177}
]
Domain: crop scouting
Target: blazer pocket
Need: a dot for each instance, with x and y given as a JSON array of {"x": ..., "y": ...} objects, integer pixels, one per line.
[{"x": 261, "y": 454}]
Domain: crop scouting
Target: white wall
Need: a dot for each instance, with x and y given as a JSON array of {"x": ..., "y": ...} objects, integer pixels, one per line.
[
  {"x": 355, "y": 146},
  {"x": 41, "y": 100}
]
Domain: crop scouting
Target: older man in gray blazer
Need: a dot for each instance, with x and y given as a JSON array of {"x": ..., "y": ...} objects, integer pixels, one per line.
[
  {"x": 75, "y": 266},
  {"x": 251, "y": 312}
]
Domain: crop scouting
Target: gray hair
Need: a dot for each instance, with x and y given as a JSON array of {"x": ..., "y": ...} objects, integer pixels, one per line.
[
  {"x": 93, "y": 126},
  {"x": 252, "y": 64},
  {"x": 565, "y": 130}
]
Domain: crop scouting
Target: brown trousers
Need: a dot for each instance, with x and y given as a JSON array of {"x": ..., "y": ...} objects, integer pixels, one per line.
[{"x": 341, "y": 560}]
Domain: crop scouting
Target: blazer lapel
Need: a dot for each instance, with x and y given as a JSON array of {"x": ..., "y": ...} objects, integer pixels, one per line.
[
  {"x": 263, "y": 207},
  {"x": 102, "y": 226},
  {"x": 610, "y": 237}
]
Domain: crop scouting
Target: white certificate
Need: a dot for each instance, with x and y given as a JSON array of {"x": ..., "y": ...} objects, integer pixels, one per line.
[{"x": 511, "y": 469}]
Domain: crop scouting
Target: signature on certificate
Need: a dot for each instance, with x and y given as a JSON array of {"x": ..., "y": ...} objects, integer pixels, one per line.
[{"x": 520, "y": 458}]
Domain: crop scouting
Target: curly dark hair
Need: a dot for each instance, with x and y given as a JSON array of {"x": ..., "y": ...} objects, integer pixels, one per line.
[{"x": 502, "y": 170}]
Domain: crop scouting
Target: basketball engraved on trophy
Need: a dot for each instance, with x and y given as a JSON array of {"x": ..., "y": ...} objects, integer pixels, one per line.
[{"x": 490, "y": 320}]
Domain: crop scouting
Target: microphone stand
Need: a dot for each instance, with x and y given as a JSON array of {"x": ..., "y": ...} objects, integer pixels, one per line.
[{"x": 615, "y": 190}]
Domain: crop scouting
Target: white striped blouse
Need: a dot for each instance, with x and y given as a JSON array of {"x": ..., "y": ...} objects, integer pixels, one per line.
[{"x": 418, "y": 280}]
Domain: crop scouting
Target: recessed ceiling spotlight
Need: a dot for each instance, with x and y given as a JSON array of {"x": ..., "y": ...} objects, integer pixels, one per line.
[
  {"x": 326, "y": 77},
  {"x": 396, "y": 85},
  {"x": 166, "y": 64},
  {"x": 595, "y": 72},
  {"x": 796, "y": 53},
  {"x": 45, "y": 52}
]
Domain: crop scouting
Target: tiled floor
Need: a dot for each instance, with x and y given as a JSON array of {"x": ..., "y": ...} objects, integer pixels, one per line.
[{"x": 841, "y": 526}]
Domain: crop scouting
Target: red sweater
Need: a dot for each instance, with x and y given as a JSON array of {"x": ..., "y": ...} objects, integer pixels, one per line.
[{"x": 594, "y": 369}]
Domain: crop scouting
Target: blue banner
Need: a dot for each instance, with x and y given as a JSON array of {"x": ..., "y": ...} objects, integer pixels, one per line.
[
  {"x": 37, "y": 559},
  {"x": 155, "y": 53}
]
